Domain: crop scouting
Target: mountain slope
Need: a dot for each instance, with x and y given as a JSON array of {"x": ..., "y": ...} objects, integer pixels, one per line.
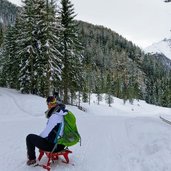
[
  {"x": 163, "y": 47},
  {"x": 112, "y": 64},
  {"x": 8, "y": 12}
]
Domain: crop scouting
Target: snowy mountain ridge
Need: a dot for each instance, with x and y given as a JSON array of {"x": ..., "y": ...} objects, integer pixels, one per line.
[{"x": 163, "y": 47}]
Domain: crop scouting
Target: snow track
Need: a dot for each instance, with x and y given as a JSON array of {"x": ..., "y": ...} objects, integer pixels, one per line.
[
  {"x": 21, "y": 103},
  {"x": 12, "y": 101}
]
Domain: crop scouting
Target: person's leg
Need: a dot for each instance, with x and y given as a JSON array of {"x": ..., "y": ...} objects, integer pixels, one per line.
[{"x": 33, "y": 141}]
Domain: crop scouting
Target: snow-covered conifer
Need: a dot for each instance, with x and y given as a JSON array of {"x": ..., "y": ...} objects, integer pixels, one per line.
[
  {"x": 71, "y": 50},
  {"x": 40, "y": 59}
]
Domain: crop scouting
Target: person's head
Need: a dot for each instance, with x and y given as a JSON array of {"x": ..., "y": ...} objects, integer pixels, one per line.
[{"x": 51, "y": 102}]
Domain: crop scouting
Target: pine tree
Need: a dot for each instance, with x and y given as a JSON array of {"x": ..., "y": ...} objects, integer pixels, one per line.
[
  {"x": 98, "y": 90},
  {"x": 71, "y": 50},
  {"x": 109, "y": 81},
  {"x": 38, "y": 39},
  {"x": 1, "y": 35},
  {"x": 27, "y": 43},
  {"x": 10, "y": 61},
  {"x": 50, "y": 45}
]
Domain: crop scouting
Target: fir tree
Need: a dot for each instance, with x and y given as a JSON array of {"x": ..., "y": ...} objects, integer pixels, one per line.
[
  {"x": 27, "y": 42},
  {"x": 71, "y": 50},
  {"x": 109, "y": 81},
  {"x": 1, "y": 35},
  {"x": 10, "y": 61},
  {"x": 40, "y": 57}
]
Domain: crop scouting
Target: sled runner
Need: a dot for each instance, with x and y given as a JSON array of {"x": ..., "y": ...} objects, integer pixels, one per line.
[{"x": 52, "y": 156}]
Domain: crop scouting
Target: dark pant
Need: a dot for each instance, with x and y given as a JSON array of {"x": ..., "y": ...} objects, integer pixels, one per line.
[{"x": 33, "y": 141}]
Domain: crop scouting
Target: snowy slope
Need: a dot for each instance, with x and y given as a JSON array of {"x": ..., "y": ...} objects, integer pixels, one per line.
[
  {"x": 118, "y": 138},
  {"x": 162, "y": 47}
]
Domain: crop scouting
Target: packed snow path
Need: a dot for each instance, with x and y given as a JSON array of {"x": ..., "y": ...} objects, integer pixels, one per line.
[{"x": 109, "y": 143}]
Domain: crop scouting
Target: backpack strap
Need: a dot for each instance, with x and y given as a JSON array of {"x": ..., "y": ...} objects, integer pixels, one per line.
[{"x": 56, "y": 138}]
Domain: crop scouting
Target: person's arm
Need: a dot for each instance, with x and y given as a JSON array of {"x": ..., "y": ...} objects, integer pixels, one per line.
[{"x": 52, "y": 122}]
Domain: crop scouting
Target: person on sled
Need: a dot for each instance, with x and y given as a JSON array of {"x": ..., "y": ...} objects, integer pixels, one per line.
[{"x": 45, "y": 141}]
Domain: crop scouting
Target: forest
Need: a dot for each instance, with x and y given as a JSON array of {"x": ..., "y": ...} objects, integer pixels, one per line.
[{"x": 44, "y": 49}]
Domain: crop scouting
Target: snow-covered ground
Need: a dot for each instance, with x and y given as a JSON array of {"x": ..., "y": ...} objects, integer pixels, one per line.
[{"x": 118, "y": 138}]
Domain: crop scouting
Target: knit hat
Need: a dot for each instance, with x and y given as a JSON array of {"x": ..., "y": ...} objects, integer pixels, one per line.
[{"x": 51, "y": 100}]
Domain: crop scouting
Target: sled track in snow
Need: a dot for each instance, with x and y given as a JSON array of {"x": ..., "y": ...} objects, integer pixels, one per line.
[
  {"x": 165, "y": 120},
  {"x": 15, "y": 102}
]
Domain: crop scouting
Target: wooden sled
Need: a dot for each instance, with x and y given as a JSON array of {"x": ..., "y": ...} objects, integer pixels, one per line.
[{"x": 53, "y": 156}]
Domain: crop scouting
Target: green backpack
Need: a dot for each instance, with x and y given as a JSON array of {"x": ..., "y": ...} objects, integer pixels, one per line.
[{"x": 70, "y": 135}]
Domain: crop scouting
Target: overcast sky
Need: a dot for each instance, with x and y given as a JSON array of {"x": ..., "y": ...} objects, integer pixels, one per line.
[{"x": 143, "y": 22}]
